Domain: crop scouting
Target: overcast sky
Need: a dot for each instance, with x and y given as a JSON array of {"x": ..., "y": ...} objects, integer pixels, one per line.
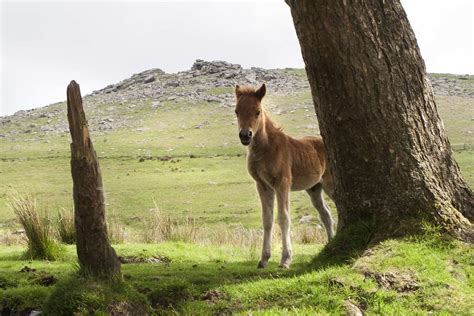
[{"x": 44, "y": 45}]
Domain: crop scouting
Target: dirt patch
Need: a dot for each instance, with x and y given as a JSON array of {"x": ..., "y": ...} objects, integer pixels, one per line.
[
  {"x": 127, "y": 308},
  {"x": 169, "y": 295},
  {"x": 137, "y": 259},
  {"x": 46, "y": 280},
  {"x": 42, "y": 278},
  {"x": 212, "y": 295},
  {"x": 27, "y": 269},
  {"x": 400, "y": 281},
  {"x": 457, "y": 270}
]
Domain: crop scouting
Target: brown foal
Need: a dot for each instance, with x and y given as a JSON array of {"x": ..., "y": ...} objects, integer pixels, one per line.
[{"x": 279, "y": 164}]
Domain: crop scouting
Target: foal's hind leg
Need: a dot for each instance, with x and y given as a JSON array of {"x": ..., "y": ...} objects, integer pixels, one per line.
[
  {"x": 316, "y": 194},
  {"x": 267, "y": 197},
  {"x": 284, "y": 219}
]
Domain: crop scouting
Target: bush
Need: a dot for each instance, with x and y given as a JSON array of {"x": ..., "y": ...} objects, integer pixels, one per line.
[
  {"x": 160, "y": 227},
  {"x": 116, "y": 230},
  {"x": 65, "y": 226},
  {"x": 40, "y": 242}
]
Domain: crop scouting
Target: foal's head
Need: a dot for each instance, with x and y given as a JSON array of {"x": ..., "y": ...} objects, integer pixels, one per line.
[{"x": 249, "y": 111}]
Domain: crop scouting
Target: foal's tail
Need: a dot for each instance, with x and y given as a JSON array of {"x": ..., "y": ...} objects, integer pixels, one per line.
[{"x": 327, "y": 178}]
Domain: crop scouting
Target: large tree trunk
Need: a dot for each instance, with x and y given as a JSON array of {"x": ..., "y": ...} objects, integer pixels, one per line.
[
  {"x": 386, "y": 143},
  {"x": 96, "y": 256}
]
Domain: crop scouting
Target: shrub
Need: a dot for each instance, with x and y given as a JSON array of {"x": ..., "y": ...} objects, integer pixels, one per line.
[
  {"x": 40, "y": 242},
  {"x": 65, "y": 226},
  {"x": 115, "y": 230},
  {"x": 159, "y": 227},
  {"x": 309, "y": 234}
]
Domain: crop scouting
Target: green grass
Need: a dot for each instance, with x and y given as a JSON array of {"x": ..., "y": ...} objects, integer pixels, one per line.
[
  {"x": 200, "y": 173},
  {"x": 424, "y": 274}
]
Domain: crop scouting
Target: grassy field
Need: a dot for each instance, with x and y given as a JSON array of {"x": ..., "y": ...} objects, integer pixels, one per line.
[
  {"x": 185, "y": 160},
  {"x": 187, "y": 170},
  {"x": 415, "y": 276}
]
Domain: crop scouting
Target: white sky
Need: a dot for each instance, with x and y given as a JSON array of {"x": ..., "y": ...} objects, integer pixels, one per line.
[{"x": 44, "y": 45}]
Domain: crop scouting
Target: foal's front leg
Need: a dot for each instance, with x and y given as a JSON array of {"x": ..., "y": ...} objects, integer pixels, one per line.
[
  {"x": 267, "y": 197},
  {"x": 284, "y": 219}
]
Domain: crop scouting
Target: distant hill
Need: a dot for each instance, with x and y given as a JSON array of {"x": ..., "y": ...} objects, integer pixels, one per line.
[
  {"x": 206, "y": 81},
  {"x": 172, "y": 138}
]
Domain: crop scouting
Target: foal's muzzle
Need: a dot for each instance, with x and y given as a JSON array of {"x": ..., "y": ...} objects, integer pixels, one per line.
[{"x": 245, "y": 137}]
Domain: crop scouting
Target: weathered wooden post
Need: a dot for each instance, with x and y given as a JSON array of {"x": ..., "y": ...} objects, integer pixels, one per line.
[{"x": 96, "y": 256}]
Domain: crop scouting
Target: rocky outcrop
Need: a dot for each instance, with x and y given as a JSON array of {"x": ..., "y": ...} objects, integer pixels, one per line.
[
  {"x": 453, "y": 85},
  {"x": 207, "y": 81}
]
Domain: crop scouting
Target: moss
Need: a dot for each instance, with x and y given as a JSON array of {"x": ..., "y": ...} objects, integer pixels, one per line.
[{"x": 77, "y": 295}]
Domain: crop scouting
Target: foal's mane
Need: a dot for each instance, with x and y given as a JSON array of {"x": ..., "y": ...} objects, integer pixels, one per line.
[{"x": 247, "y": 90}]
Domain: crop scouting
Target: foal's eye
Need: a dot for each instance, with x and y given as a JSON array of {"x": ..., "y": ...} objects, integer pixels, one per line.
[
  {"x": 236, "y": 113},
  {"x": 258, "y": 113}
]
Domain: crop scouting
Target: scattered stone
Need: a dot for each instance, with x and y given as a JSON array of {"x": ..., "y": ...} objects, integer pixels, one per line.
[
  {"x": 400, "y": 281},
  {"x": 165, "y": 158},
  {"x": 27, "y": 269},
  {"x": 135, "y": 259},
  {"x": 351, "y": 309},
  {"x": 47, "y": 280},
  {"x": 212, "y": 295},
  {"x": 306, "y": 219},
  {"x": 155, "y": 104},
  {"x": 213, "y": 99},
  {"x": 172, "y": 84},
  {"x": 149, "y": 79}
]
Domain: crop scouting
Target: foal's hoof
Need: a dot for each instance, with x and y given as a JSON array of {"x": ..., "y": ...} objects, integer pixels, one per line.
[
  {"x": 285, "y": 263},
  {"x": 261, "y": 265}
]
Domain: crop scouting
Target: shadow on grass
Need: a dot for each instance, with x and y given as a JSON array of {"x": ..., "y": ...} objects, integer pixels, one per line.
[
  {"x": 347, "y": 245},
  {"x": 163, "y": 287},
  {"x": 159, "y": 287}
]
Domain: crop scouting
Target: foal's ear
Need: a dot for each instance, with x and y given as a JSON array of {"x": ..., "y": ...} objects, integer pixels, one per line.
[
  {"x": 260, "y": 93},
  {"x": 238, "y": 93}
]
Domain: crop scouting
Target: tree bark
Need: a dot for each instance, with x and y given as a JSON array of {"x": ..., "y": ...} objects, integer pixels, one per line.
[
  {"x": 96, "y": 256},
  {"x": 386, "y": 143}
]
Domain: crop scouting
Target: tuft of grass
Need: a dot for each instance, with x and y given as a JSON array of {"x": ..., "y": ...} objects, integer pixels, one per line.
[
  {"x": 159, "y": 227},
  {"x": 40, "y": 242},
  {"x": 65, "y": 226},
  {"x": 116, "y": 231},
  {"x": 309, "y": 234},
  {"x": 9, "y": 238}
]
